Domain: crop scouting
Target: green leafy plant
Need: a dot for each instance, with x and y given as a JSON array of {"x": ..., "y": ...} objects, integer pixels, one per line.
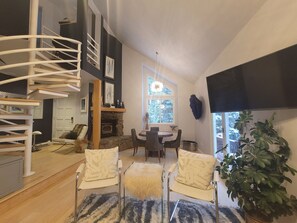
[{"x": 256, "y": 173}]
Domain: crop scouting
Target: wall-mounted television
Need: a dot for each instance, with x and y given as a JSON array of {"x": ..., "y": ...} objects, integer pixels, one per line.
[{"x": 269, "y": 82}]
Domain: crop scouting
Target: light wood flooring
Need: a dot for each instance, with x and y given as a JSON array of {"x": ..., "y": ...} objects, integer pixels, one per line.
[{"x": 56, "y": 202}]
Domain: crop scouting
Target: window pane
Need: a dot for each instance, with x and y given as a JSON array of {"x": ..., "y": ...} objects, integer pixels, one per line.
[
  {"x": 219, "y": 134},
  {"x": 233, "y": 133},
  {"x": 160, "y": 111},
  {"x": 165, "y": 91}
]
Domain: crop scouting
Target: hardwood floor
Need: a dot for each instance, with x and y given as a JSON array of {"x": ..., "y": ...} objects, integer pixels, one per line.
[
  {"x": 50, "y": 166},
  {"x": 56, "y": 202}
]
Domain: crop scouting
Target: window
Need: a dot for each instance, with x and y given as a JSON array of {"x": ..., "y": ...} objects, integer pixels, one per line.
[
  {"x": 159, "y": 105},
  {"x": 225, "y": 133}
]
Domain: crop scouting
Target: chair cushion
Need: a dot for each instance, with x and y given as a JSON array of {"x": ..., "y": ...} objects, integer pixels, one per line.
[
  {"x": 63, "y": 136},
  {"x": 193, "y": 192},
  {"x": 195, "y": 169},
  {"x": 77, "y": 128},
  {"x": 71, "y": 135},
  {"x": 82, "y": 133},
  {"x": 101, "y": 164}
]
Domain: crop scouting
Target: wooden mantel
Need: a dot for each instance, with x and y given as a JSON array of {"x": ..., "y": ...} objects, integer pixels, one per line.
[{"x": 106, "y": 109}]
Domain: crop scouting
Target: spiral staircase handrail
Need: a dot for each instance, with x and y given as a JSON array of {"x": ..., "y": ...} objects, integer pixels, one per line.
[
  {"x": 46, "y": 55},
  {"x": 5, "y": 38}
]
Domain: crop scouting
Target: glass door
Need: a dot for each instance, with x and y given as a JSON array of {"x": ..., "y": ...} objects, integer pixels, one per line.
[{"x": 225, "y": 133}]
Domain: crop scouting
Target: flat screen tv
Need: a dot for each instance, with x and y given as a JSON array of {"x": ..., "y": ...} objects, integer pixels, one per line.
[{"x": 269, "y": 82}]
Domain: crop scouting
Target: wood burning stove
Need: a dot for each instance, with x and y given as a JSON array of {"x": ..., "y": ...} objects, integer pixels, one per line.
[{"x": 108, "y": 128}]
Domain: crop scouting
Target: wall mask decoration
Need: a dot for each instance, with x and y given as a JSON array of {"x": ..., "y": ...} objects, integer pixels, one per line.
[{"x": 196, "y": 106}]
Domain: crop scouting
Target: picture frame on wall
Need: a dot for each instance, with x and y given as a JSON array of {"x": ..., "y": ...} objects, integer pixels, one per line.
[
  {"x": 109, "y": 67},
  {"x": 83, "y": 104},
  {"x": 109, "y": 93}
]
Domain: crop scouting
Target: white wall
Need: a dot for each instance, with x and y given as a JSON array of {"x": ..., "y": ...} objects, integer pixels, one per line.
[
  {"x": 272, "y": 28},
  {"x": 132, "y": 94}
]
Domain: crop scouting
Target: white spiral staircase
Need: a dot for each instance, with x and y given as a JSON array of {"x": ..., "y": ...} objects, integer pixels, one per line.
[{"x": 51, "y": 70}]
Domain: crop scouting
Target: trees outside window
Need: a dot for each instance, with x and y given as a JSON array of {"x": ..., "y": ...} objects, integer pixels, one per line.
[
  {"x": 225, "y": 133},
  {"x": 160, "y": 106}
]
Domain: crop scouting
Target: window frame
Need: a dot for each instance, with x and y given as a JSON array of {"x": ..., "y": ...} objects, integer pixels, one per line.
[{"x": 149, "y": 72}]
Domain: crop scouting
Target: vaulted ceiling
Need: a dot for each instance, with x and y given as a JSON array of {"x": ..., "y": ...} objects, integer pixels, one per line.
[{"x": 188, "y": 34}]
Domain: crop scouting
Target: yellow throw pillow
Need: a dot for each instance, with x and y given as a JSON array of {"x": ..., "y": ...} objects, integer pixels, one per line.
[
  {"x": 195, "y": 169},
  {"x": 101, "y": 164}
]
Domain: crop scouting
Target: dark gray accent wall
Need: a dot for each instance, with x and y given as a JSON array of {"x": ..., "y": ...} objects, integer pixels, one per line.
[
  {"x": 14, "y": 17},
  {"x": 110, "y": 47},
  {"x": 45, "y": 124},
  {"x": 19, "y": 87},
  {"x": 113, "y": 49}
]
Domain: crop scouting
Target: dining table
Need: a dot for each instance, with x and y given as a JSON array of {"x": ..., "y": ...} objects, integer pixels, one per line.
[{"x": 161, "y": 134}]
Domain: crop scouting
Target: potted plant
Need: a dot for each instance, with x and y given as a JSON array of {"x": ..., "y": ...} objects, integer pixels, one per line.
[{"x": 256, "y": 173}]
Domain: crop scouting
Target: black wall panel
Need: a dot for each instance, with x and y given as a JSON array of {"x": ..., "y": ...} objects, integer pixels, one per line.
[
  {"x": 113, "y": 49},
  {"x": 19, "y": 87},
  {"x": 45, "y": 125},
  {"x": 14, "y": 17}
]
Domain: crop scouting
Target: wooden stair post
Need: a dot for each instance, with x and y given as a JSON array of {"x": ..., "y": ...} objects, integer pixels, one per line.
[{"x": 96, "y": 134}]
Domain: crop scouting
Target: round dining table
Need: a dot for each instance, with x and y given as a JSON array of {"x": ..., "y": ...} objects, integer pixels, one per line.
[{"x": 161, "y": 134}]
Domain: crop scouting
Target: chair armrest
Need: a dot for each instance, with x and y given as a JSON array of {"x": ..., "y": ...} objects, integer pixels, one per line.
[
  {"x": 128, "y": 167},
  {"x": 120, "y": 164},
  {"x": 216, "y": 176},
  {"x": 80, "y": 168},
  {"x": 172, "y": 168}
]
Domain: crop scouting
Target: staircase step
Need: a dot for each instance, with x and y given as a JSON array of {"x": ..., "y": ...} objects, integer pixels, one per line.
[
  {"x": 12, "y": 138},
  {"x": 54, "y": 64},
  {"x": 46, "y": 70},
  {"x": 12, "y": 147},
  {"x": 51, "y": 66},
  {"x": 18, "y": 102},
  {"x": 14, "y": 127},
  {"x": 15, "y": 116},
  {"x": 42, "y": 94},
  {"x": 56, "y": 87},
  {"x": 57, "y": 80}
]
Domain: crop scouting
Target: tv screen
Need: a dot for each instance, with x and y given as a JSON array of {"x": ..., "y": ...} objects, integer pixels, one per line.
[{"x": 269, "y": 82}]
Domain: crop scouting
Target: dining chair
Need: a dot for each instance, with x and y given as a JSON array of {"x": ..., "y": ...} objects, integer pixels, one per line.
[
  {"x": 193, "y": 176},
  {"x": 136, "y": 141},
  {"x": 174, "y": 143},
  {"x": 154, "y": 129},
  {"x": 153, "y": 144}
]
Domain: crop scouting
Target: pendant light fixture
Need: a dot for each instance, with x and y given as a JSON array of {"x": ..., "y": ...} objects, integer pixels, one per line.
[{"x": 156, "y": 86}]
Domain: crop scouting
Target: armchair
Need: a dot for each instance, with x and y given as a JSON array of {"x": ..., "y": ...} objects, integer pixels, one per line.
[
  {"x": 195, "y": 177},
  {"x": 102, "y": 169},
  {"x": 77, "y": 133}
]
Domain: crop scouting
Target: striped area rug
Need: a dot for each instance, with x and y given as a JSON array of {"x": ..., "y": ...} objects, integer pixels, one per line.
[{"x": 103, "y": 208}]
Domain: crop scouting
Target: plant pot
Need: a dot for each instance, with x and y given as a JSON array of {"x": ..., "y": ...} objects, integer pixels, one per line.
[{"x": 254, "y": 219}]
